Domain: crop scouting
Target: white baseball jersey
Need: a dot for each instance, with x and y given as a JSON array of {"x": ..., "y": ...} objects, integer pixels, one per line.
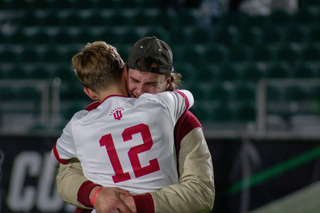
[{"x": 126, "y": 142}]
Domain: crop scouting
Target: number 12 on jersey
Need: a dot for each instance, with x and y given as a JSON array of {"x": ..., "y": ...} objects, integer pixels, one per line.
[{"x": 139, "y": 171}]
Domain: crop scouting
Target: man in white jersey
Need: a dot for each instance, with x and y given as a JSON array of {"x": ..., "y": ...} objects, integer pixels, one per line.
[
  {"x": 195, "y": 191},
  {"x": 120, "y": 141}
]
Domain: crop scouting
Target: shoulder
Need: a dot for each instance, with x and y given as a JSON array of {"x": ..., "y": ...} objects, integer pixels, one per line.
[
  {"x": 92, "y": 106},
  {"x": 186, "y": 124}
]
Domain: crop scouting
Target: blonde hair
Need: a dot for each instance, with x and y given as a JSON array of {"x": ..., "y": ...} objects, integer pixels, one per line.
[{"x": 98, "y": 66}]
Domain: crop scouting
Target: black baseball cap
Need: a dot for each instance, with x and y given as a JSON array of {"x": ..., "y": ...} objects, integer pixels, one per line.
[{"x": 154, "y": 48}]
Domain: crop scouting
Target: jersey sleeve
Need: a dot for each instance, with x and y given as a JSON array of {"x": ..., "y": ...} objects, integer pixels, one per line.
[
  {"x": 64, "y": 149},
  {"x": 177, "y": 101}
]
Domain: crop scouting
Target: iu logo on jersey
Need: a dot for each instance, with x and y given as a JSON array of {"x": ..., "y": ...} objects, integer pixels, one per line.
[{"x": 117, "y": 114}]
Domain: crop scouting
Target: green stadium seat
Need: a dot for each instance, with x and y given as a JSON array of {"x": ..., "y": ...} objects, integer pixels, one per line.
[
  {"x": 296, "y": 93},
  {"x": 277, "y": 70},
  {"x": 263, "y": 53},
  {"x": 84, "y": 36},
  {"x": 111, "y": 4},
  {"x": 149, "y": 4},
  {"x": 287, "y": 53},
  {"x": 217, "y": 54},
  {"x": 252, "y": 72},
  {"x": 225, "y": 35},
  {"x": 250, "y": 36},
  {"x": 220, "y": 92},
  {"x": 192, "y": 54},
  {"x": 200, "y": 35},
  {"x": 274, "y": 93},
  {"x": 52, "y": 55},
  {"x": 304, "y": 71},
  {"x": 186, "y": 18},
  {"x": 4, "y": 37},
  {"x": 295, "y": 33},
  {"x": 279, "y": 17},
  {"x": 73, "y": 90},
  {"x": 228, "y": 72},
  {"x": 30, "y": 19},
  {"x": 165, "y": 20},
  {"x": 161, "y": 34},
  {"x": 314, "y": 93},
  {"x": 222, "y": 113},
  {"x": 69, "y": 111},
  {"x": 69, "y": 53},
  {"x": 187, "y": 71},
  {"x": 305, "y": 16},
  {"x": 63, "y": 37},
  {"x": 123, "y": 50},
  {"x": 260, "y": 21},
  {"x": 315, "y": 3},
  {"x": 19, "y": 37},
  {"x": 232, "y": 18},
  {"x": 205, "y": 73},
  {"x": 245, "y": 112},
  {"x": 65, "y": 73},
  {"x": 272, "y": 35},
  {"x": 117, "y": 19},
  {"x": 96, "y": 19},
  {"x": 178, "y": 36},
  {"x": 42, "y": 72},
  {"x": 240, "y": 53},
  {"x": 28, "y": 93},
  {"x": 8, "y": 55},
  {"x": 52, "y": 19},
  {"x": 110, "y": 36},
  {"x": 201, "y": 112},
  {"x": 314, "y": 33},
  {"x": 56, "y": 4},
  {"x": 18, "y": 72},
  {"x": 198, "y": 92},
  {"x": 129, "y": 36},
  {"x": 141, "y": 19},
  {"x": 29, "y": 55},
  {"x": 130, "y": 4},
  {"x": 6, "y": 93},
  {"x": 42, "y": 37},
  {"x": 244, "y": 92},
  {"x": 310, "y": 53},
  {"x": 73, "y": 19}
]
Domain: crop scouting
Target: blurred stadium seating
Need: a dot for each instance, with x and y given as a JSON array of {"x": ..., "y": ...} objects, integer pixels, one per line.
[{"x": 221, "y": 66}]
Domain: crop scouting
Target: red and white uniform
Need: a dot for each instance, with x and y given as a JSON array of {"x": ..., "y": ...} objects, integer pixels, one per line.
[{"x": 126, "y": 142}]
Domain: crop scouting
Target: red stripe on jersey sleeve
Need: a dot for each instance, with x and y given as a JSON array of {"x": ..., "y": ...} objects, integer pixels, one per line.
[
  {"x": 185, "y": 99},
  {"x": 185, "y": 124},
  {"x": 56, "y": 154},
  {"x": 144, "y": 203}
]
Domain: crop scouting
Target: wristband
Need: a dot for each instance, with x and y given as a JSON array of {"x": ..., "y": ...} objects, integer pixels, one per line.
[{"x": 93, "y": 199}]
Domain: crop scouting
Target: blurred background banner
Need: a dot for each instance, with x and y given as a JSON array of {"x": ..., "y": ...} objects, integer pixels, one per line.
[
  {"x": 252, "y": 65},
  {"x": 250, "y": 175}
]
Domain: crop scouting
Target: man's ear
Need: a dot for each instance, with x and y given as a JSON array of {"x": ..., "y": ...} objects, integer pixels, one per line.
[
  {"x": 125, "y": 71},
  {"x": 169, "y": 80},
  {"x": 90, "y": 93}
]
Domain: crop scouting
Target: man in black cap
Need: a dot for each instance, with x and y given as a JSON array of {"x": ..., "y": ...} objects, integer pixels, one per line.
[{"x": 150, "y": 69}]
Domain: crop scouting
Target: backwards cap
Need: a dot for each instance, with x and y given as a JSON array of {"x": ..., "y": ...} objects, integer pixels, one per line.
[{"x": 154, "y": 48}]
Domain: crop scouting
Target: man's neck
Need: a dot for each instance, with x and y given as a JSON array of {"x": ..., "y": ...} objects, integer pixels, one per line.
[{"x": 112, "y": 91}]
